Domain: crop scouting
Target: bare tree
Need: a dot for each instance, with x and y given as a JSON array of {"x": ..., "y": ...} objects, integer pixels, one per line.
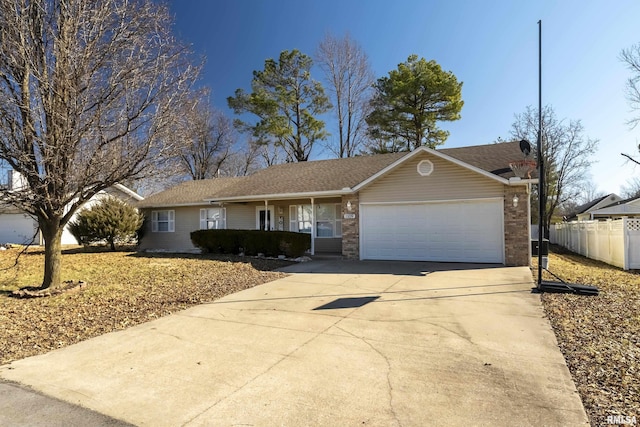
[
  {"x": 273, "y": 154},
  {"x": 631, "y": 188},
  {"x": 631, "y": 57},
  {"x": 244, "y": 161},
  {"x": 350, "y": 79},
  {"x": 589, "y": 192},
  {"x": 566, "y": 155},
  {"x": 207, "y": 136},
  {"x": 87, "y": 91}
]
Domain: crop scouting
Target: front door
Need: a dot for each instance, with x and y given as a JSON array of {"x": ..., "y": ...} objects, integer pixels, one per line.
[{"x": 264, "y": 218}]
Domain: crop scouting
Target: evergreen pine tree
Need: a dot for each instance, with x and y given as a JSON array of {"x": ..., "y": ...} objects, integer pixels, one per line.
[{"x": 110, "y": 221}]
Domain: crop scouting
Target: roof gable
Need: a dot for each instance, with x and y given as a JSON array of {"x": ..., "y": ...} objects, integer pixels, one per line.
[
  {"x": 126, "y": 192},
  {"x": 485, "y": 160},
  {"x": 597, "y": 203},
  {"x": 626, "y": 206}
]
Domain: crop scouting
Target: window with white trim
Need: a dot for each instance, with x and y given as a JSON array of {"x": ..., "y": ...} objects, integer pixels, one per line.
[
  {"x": 300, "y": 217},
  {"x": 163, "y": 221},
  {"x": 213, "y": 219},
  {"x": 329, "y": 220}
]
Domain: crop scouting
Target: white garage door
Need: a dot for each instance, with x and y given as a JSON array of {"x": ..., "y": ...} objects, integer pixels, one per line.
[
  {"x": 469, "y": 231},
  {"x": 17, "y": 228}
]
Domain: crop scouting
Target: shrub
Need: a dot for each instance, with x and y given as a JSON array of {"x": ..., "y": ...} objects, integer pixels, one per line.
[
  {"x": 217, "y": 241},
  {"x": 252, "y": 242},
  {"x": 111, "y": 220}
]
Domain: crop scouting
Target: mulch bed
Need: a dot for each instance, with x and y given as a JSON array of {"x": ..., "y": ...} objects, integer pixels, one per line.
[{"x": 598, "y": 335}]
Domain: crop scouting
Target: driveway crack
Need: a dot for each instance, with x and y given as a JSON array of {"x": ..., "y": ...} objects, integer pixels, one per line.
[
  {"x": 388, "y": 362},
  {"x": 266, "y": 371}
]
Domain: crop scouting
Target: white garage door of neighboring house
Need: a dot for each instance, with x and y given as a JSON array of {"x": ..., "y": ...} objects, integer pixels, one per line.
[
  {"x": 465, "y": 231},
  {"x": 17, "y": 228}
]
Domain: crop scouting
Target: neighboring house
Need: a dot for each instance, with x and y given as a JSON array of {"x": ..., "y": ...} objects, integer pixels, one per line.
[
  {"x": 585, "y": 211},
  {"x": 629, "y": 208},
  {"x": 19, "y": 228},
  {"x": 459, "y": 204}
]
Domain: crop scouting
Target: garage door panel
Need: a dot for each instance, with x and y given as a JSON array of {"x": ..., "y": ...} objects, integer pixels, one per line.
[
  {"x": 17, "y": 228},
  {"x": 453, "y": 231}
]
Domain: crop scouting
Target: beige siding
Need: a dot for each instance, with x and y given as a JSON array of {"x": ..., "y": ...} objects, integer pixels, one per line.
[
  {"x": 241, "y": 216},
  {"x": 448, "y": 181},
  {"x": 326, "y": 245},
  {"x": 187, "y": 219}
]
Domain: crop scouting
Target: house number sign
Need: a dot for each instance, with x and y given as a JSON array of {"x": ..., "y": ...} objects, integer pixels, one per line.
[{"x": 349, "y": 216}]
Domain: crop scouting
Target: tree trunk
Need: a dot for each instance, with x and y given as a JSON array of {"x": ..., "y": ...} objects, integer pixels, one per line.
[{"x": 52, "y": 234}]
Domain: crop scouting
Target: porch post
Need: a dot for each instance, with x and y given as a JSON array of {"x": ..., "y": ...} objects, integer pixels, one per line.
[
  {"x": 266, "y": 215},
  {"x": 313, "y": 228}
]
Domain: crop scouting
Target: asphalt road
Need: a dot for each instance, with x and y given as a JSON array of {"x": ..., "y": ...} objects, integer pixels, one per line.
[{"x": 20, "y": 406}]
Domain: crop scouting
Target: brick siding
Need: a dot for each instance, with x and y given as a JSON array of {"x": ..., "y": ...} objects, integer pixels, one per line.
[
  {"x": 517, "y": 241},
  {"x": 351, "y": 227}
]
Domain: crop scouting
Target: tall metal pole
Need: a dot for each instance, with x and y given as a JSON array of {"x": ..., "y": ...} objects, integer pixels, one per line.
[{"x": 541, "y": 195}]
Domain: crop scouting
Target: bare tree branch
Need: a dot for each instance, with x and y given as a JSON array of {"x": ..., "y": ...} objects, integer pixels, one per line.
[
  {"x": 566, "y": 153},
  {"x": 244, "y": 161},
  {"x": 203, "y": 138},
  {"x": 631, "y": 57},
  {"x": 630, "y": 158},
  {"x": 350, "y": 81},
  {"x": 87, "y": 97},
  {"x": 631, "y": 188}
]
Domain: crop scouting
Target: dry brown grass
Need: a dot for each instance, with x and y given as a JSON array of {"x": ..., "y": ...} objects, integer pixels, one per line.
[
  {"x": 124, "y": 289},
  {"x": 599, "y": 335}
]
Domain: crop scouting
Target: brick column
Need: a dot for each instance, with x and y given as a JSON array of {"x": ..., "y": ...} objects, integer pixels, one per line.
[
  {"x": 517, "y": 241},
  {"x": 351, "y": 227}
]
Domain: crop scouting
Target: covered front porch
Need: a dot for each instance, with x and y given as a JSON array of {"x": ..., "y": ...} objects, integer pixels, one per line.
[{"x": 321, "y": 217}]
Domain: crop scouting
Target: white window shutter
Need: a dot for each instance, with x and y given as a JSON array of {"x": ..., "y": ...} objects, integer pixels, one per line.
[
  {"x": 223, "y": 214},
  {"x": 203, "y": 219},
  {"x": 293, "y": 218},
  {"x": 171, "y": 221}
]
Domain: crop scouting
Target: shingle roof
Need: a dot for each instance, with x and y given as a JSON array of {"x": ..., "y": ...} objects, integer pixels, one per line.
[
  {"x": 323, "y": 175},
  {"x": 585, "y": 207},
  {"x": 307, "y": 177},
  {"x": 494, "y": 158},
  {"x": 621, "y": 202},
  {"x": 187, "y": 193}
]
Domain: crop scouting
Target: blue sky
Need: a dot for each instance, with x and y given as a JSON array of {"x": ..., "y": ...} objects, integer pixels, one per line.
[{"x": 491, "y": 46}]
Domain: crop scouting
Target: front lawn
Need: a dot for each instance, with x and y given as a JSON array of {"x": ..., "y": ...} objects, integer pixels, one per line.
[
  {"x": 124, "y": 289},
  {"x": 599, "y": 336}
]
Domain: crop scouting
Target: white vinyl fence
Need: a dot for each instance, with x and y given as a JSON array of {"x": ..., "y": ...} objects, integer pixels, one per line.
[{"x": 615, "y": 242}]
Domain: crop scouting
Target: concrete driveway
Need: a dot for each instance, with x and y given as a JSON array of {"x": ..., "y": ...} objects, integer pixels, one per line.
[{"x": 344, "y": 343}]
